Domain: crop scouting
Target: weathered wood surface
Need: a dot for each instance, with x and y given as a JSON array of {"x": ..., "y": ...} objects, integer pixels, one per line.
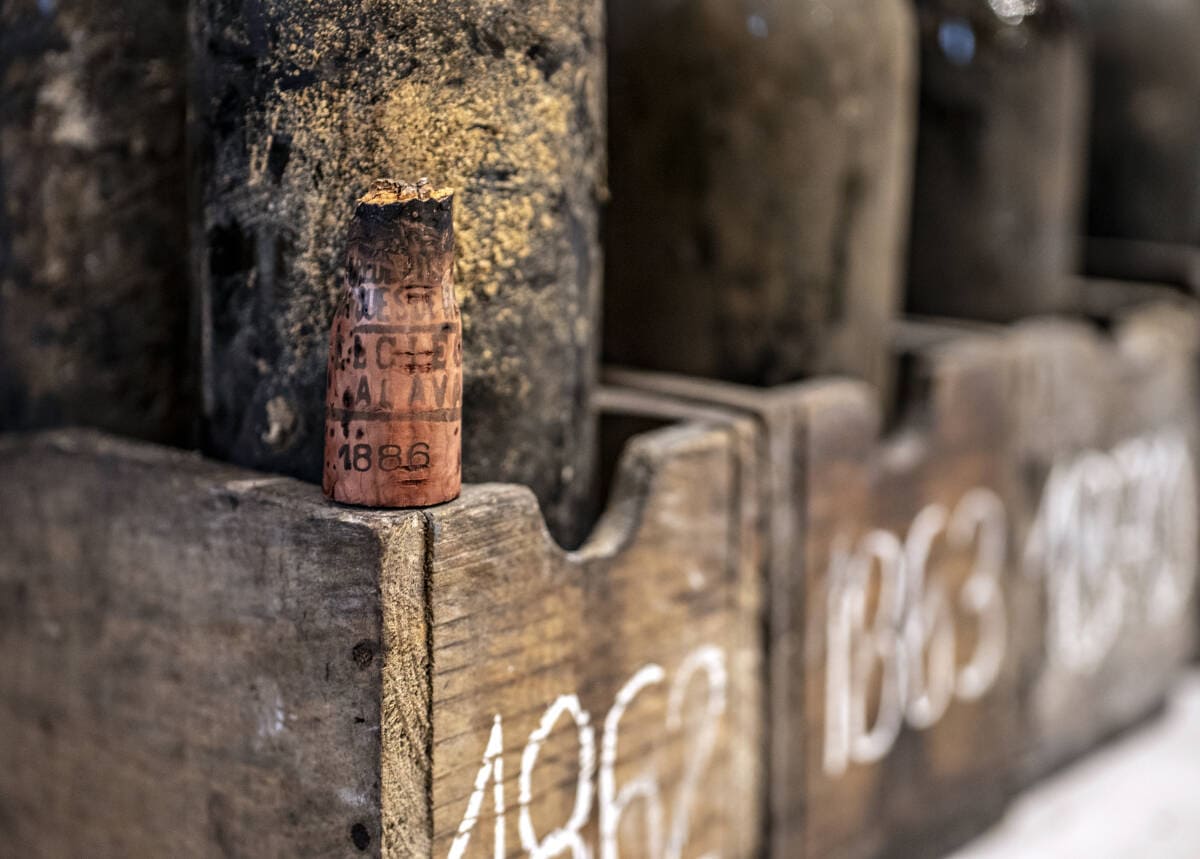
[
  {"x": 298, "y": 106},
  {"x": 1087, "y": 441},
  {"x": 207, "y": 661},
  {"x": 93, "y": 224},
  {"x": 910, "y": 717},
  {"x": 844, "y": 623},
  {"x": 1106, "y": 449},
  {"x": 778, "y": 416},
  {"x": 761, "y": 163},
  {"x": 997, "y": 196},
  {"x": 190, "y": 657},
  {"x": 641, "y": 650}
]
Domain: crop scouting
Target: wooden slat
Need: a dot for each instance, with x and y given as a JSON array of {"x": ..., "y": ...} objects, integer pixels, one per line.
[
  {"x": 188, "y": 657},
  {"x": 930, "y": 758},
  {"x": 996, "y": 412},
  {"x": 1106, "y": 445},
  {"x": 200, "y": 660},
  {"x": 832, "y": 481},
  {"x": 649, "y": 631}
]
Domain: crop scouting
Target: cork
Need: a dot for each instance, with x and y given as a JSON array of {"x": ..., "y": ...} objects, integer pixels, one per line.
[
  {"x": 998, "y": 193},
  {"x": 393, "y": 427},
  {"x": 760, "y": 168}
]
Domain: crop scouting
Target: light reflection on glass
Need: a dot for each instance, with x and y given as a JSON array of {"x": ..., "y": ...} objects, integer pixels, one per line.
[
  {"x": 1014, "y": 11},
  {"x": 957, "y": 41}
]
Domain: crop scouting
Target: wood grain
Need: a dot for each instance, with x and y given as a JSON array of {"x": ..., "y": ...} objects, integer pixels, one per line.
[
  {"x": 931, "y": 759},
  {"x": 830, "y": 478},
  {"x": 1107, "y": 449},
  {"x": 189, "y": 657},
  {"x": 998, "y": 410},
  {"x": 777, "y": 414},
  {"x": 202, "y": 660},
  {"x": 664, "y": 593}
]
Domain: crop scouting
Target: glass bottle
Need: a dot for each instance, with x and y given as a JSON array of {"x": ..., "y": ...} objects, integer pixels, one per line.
[
  {"x": 1000, "y": 154},
  {"x": 760, "y": 161}
]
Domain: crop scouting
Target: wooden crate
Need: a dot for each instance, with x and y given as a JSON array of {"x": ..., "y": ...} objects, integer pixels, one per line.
[
  {"x": 200, "y": 660},
  {"x": 1106, "y": 446},
  {"x": 1013, "y": 422},
  {"x": 844, "y": 496}
]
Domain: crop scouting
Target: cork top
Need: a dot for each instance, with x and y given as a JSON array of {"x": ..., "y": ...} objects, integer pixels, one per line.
[{"x": 385, "y": 192}]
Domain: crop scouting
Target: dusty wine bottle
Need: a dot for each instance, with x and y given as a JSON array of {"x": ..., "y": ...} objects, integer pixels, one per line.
[
  {"x": 1144, "y": 155},
  {"x": 393, "y": 427},
  {"x": 297, "y": 107},
  {"x": 93, "y": 227},
  {"x": 1000, "y": 151},
  {"x": 760, "y": 168}
]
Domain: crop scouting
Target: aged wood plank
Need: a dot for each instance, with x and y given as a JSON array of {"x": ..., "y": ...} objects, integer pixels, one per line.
[
  {"x": 617, "y": 686},
  {"x": 189, "y": 658},
  {"x": 1088, "y": 434},
  {"x": 837, "y": 489},
  {"x": 1107, "y": 450},
  {"x": 209, "y": 661},
  {"x": 910, "y": 715},
  {"x": 777, "y": 414}
]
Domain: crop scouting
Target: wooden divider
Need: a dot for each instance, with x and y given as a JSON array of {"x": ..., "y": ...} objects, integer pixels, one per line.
[
  {"x": 888, "y": 559},
  {"x": 1106, "y": 444},
  {"x": 201, "y": 660},
  {"x": 925, "y": 585}
]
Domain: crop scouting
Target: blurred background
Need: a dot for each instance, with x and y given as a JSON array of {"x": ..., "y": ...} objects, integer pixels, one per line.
[{"x": 749, "y": 191}]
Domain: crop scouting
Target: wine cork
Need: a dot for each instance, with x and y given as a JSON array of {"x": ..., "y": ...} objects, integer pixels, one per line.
[{"x": 393, "y": 428}]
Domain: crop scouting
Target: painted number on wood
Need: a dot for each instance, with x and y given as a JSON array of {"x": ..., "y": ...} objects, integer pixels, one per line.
[
  {"x": 904, "y": 653},
  {"x": 1115, "y": 543},
  {"x": 665, "y": 836}
]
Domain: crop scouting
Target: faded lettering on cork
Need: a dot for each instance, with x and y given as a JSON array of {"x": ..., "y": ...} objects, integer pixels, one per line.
[{"x": 393, "y": 429}]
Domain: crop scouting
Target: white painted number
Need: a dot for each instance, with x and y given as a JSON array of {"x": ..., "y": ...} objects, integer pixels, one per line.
[
  {"x": 700, "y": 743},
  {"x": 904, "y": 656},
  {"x": 1115, "y": 543},
  {"x": 568, "y": 837}
]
